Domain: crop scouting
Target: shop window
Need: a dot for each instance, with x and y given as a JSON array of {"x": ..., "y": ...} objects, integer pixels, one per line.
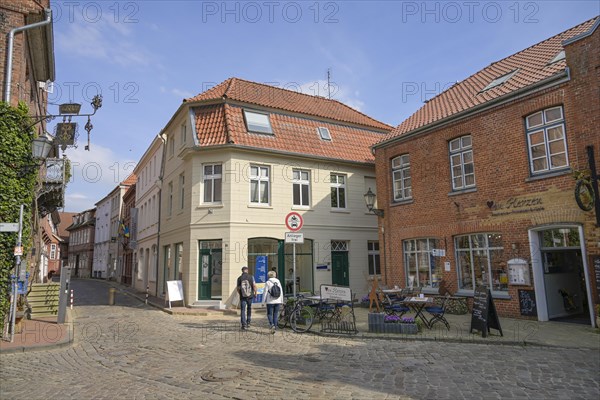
[
  {"x": 480, "y": 262},
  {"x": 422, "y": 269}
]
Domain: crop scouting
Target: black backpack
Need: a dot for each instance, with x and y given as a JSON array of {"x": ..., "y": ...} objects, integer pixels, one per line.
[{"x": 275, "y": 291}]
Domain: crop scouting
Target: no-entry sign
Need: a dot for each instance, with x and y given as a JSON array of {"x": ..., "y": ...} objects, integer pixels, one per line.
[{"x": 294, "y": 221}]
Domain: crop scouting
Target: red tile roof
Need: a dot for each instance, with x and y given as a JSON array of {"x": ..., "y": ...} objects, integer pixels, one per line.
[
  {"x": 533, "y": 65},
  {"x": 66, "y": 219},
  {"x": 130, "y": 180},
  {"x": 294, "y": 127},
  {"x": 287, "y": 100}
]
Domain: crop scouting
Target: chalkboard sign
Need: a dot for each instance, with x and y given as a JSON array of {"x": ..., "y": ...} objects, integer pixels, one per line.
[
  {"x": 596, "y": 264},
  {"x": 527, "y": 303},
  {"x": 484, "y": 314}
]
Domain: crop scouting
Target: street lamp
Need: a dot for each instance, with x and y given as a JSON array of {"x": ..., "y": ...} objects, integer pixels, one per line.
[
  {"x": 40, "y": 147},
  {"x": 370, "y": 201}
]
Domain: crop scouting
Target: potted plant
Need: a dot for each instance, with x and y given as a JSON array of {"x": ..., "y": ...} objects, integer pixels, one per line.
[{"x": 409, "y": 325}]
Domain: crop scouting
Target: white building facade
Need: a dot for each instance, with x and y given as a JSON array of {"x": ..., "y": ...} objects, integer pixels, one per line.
[
  {"x": 145, "y": 221},
  {"x": 238, "y": 159},
  {"x": 102, "y": 239}
]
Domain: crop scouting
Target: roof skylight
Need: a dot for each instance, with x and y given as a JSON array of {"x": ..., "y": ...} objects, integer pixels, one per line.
[
  {"x": 257, "y": 122},
  {"x": 500, "y": 80},
  {"x": 324, "y": 133}
]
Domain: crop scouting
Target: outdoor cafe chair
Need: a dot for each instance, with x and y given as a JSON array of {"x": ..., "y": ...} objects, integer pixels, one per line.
[
  {"x": 391, "y": 306},
  {"x": 437, "y": 312}
]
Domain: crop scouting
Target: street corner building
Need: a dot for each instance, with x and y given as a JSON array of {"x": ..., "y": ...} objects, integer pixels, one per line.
[
  {"x": 478, "y": 185},
  {"x": 237, "y": 159}
]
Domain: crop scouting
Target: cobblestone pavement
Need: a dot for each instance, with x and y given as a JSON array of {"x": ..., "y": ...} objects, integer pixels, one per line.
[{"x": 131, "y": 351}]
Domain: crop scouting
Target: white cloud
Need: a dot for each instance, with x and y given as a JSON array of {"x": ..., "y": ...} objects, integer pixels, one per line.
[
  {"x": 182, "y": 93},
  {"x": 103, "y": 40},
  {"x": 95, "y": 174}
]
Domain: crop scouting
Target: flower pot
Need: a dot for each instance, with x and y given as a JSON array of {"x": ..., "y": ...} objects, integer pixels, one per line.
[
  {"x": 376, "y": 322},
  {"x": 409, "y": 329}
]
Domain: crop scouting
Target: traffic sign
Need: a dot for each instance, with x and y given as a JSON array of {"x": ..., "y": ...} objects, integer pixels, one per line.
[
  {"x": 294, "y": 237},
  {"x": 294, "y": 221},
  {"x": 9, "y": 227}
]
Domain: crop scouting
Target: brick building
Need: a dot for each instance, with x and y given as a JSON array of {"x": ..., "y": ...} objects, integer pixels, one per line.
[
  {"x": 477, "y": 186},
  {"x": 33, "y": 53}
]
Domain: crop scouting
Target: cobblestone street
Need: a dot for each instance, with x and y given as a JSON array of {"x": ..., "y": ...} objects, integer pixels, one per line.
[{"x": 131, "y": 351}]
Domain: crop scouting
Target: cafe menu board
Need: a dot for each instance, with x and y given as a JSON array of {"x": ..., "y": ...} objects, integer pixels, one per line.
[
  {"x": 527, "y": 303},
  {"x": 484, "y": 316}
]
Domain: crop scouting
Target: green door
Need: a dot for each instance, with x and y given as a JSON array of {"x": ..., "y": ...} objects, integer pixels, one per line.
[
  {"x": 339, "y": 268},
  {"x": 204, "y": 287}
]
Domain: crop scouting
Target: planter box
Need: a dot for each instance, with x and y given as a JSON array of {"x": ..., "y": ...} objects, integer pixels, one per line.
[{"x": 377, "y": 325}]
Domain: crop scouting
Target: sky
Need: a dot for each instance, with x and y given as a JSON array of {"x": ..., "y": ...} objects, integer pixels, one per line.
[{"x": 385, "y": 59}]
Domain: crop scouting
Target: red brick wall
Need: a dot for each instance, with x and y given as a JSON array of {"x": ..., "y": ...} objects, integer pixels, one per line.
[
  {"x": 501, "y": 172},
  {"x": 24, "y": 87}
]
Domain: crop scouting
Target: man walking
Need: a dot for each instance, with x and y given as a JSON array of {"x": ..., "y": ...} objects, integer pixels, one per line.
[{"x": 246, "y": 289}]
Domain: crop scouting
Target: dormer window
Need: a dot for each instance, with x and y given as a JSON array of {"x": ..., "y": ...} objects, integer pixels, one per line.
[
  {"x": 560, "y": 56},
  {"x": 500, "y": 80},
  {"x": 257, "y": 122},
  {"x": 324, "y": 133}
]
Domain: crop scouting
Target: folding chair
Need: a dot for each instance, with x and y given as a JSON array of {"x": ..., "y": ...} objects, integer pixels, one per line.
[
  {"x": 393, "y": 307},
  {"x": 437, "y": 313}
]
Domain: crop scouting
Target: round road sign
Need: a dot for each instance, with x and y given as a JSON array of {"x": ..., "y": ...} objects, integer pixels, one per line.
[{"x": 294, "y": 221}]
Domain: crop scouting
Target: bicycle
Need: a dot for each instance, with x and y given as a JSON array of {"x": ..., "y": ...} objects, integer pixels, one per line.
[{"x": 295, "y": 314}]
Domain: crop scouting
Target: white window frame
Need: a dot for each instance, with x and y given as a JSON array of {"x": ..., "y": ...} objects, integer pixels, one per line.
[
  {"x": 324, "y": 133},
  {"x": 463, "y": 151},
  {"x": 544, "y": 128},
  {"x": 182, "y": 134},
  {"x": 170, "y": 199},
  {"x": 52, "y": 251},
  {"x": 374, "y": 257},
  {"x": 474, "y": 247},
  {"x": 258, "y": 179},
  {"x": 181, "y": 191},
  {"x": 401, "y": 177},
  {"x": 258, "y": 122},
  {"x": 299, "y": 182},
  {"x": 335, "y": 187},
  {"x": 209, "y": 180}
]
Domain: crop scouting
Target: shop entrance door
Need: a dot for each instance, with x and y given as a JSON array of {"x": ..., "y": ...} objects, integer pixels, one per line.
[
  {"x": 339, "y": 268},
  {"x": 210, "y": 274}
]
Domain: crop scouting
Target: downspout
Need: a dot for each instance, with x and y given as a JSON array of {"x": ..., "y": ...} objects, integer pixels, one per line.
[
  {"x": 160, "y": 178},
  {"x": 9, "y": 54}
]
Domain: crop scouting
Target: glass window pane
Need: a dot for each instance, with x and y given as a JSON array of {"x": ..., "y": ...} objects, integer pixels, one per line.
[
  {"x": 553, "y": 114},
  {"x": 218, "y": 169},
  {"x": 534, "y": 120},
  {"x": 405, "y": 159},
  {"x": 304, "y": 195},
  {"x": 464, "y": 269},
  {"x": 304, "y": 175},
  {"x": 342, "y": 198},
  {"x": 455, "y": 145},
  {"x": 536, "y": 137},
  {"x": 264, "y": 188},
  {"x": 555, "y": 133},
  {"x": 469, "y": 168},
  {"x": 467, "y": 156},
  {"x": 253, "y": 171},
  {"x": 540, "y": 164},
  {"x": 498, "y": 270},
  {"x": 455, "y": 159},
  {"x": 256, "y": 122},
  {"x": 457, "y": 182},
  {"x": 466, "y": 141},
  {"x": 407, "y": 193},
  {"x": 254, "y": 191},
  {"x": 334, "y": 200},
  {"x": 217, "y": 195},
  {"x": 264, "y": 172},
  {"x": 208, "y": 191},
  {"x": 296, "y": 194},
  {"x": 557, "y": 147},
  {"x": 538, "y": 151},
  {"x": 295, "y": 175},
  {"x": 480, "y": 267},
  {"x": 469, "y": 180},
  {"x": 341, "y": 179},
  {"x": 457, "y": 171},
  {"x": 558, "y": 160},
  {"x": 208, "y": 170}
]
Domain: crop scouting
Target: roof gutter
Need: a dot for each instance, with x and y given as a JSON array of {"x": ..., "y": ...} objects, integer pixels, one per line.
[
  {"x": 9, "y": 53},
  {"x": 554, "y": 80}
]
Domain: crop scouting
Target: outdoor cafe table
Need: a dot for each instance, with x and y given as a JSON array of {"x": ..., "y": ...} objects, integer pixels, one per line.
[{"x": 417, "y": 304}]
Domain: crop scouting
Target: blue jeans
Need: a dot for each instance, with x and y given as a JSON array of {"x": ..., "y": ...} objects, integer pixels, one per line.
[
  {"x": 272, "y": 314},
  {"x": 246, "y": 304}
]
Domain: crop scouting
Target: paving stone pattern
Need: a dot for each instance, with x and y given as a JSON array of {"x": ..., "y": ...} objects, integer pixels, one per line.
[{"x": 131, "y": 351}]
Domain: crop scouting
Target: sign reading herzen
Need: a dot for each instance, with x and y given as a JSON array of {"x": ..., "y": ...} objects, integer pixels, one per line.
[
  {"x": 294, "y": 221},
  {"x": 484, "y": 314}
]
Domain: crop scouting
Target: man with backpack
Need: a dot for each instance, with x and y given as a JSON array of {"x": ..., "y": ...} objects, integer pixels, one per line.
[
  {"x": 274, "y": 298},
  {"x": 246, "y": 289}
]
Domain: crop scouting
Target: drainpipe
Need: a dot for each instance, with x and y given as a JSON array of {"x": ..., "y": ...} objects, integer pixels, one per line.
[{"x": 9, "y": 53}]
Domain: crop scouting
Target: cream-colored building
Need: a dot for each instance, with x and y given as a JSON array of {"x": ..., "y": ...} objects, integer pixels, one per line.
[
  {"x": 238, "y": 159},
  {"x": 145, "y": 219}
]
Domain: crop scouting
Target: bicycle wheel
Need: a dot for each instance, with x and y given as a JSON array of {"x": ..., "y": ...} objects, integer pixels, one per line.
[
  {"x": 282, "y": 319},
  {"x": 301, "y": 319}
]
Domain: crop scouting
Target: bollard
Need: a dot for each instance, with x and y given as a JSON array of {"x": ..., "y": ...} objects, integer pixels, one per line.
[
  {"x": 71, "y": 299},
  {"x": 147, "y": 290},
  {"x": 111, "y": 296}
]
